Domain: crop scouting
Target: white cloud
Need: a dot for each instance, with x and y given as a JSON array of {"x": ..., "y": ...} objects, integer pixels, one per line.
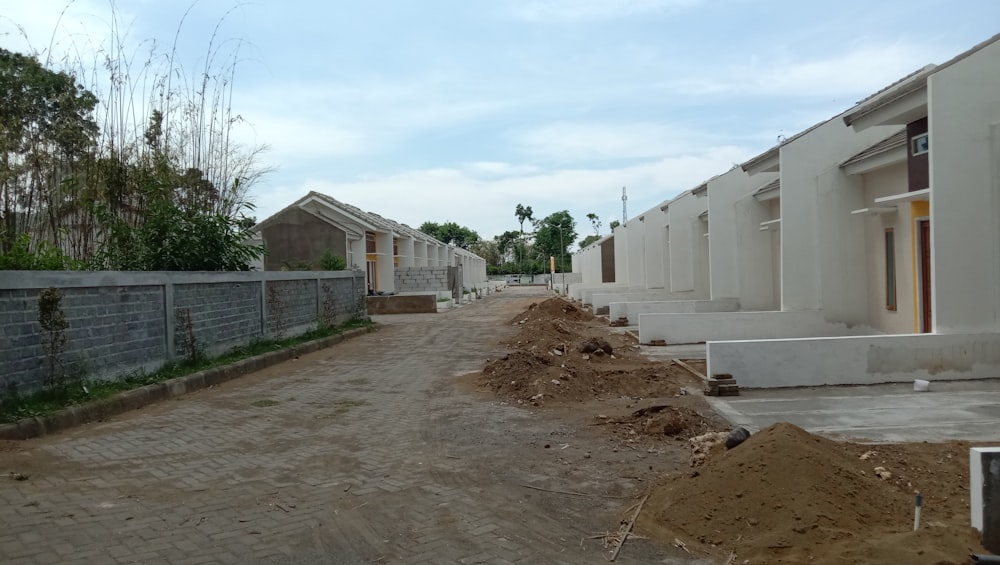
[
  {"x": 861, "y": 70},
  {"x": 487, "y": 204},
  {"x": 578, "y": 10},
  {"x": 575, "y": 141}
]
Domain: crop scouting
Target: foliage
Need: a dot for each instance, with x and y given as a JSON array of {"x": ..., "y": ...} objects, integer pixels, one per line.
[
  {"x": 596, "y": 222},
  {"x": 45, "y": 257},
  {"x": 53, "y": 320},
  {"x": 614, "y": 224},
  {"x": 175, "y": 238},
  {"x": 328, "y": 261},
  {"x": 46, "y": 126},
  {"x": 588, "y": 240},
  {"x": 523, "y": 213},
  {"x": 151, "y": 181},
  {"x": 556, "y": 232},
  {"x": 488, "y": 250},
  {"x": 450, "y": 233}
]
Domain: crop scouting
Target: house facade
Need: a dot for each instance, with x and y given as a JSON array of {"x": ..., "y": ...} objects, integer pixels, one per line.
[
  {"x": 863, "y": 249},
  {"x": 297, "y": 236}
]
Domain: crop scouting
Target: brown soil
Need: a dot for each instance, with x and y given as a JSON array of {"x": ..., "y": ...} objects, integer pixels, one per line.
[
  {"x": 784, "y": 496},
  {"x": 787, "y": 496},
  {"x": 565, "y": 354}
]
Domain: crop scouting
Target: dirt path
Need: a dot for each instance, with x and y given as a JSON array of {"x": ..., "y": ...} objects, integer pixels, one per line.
[{"x": 366, "y": 452}]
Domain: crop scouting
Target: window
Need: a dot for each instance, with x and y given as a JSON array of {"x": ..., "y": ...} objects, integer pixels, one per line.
[
  {"x": 369, "y": 242},
  {"x": 890, "y": 270},
  {"x": 920, "y": 144}
]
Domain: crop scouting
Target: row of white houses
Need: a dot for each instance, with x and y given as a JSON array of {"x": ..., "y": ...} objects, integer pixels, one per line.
[
  {"x": 316, "y": 223},
  {"x": 864, "y": 249}
]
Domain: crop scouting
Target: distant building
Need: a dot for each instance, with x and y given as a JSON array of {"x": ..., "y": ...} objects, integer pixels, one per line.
[{"x": 297, "y": 236}]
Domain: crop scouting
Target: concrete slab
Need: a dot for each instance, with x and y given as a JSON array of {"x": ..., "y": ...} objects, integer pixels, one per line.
[{"x": 968, "y": 410}]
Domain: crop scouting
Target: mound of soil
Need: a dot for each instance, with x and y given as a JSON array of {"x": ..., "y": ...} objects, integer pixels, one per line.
[
  {"x": 787, "y": 496},
  {"x": 553, "y": 308},
  {"x": 681, "y": 419},
  {"x": 563, "y": 353}
]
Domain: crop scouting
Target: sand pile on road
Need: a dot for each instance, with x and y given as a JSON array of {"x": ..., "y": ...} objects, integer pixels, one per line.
[{"x": 787, "y": 496}]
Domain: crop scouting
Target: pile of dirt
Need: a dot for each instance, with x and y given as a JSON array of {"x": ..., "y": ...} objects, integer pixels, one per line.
[
  {"x": 679, "y": 419},
  {"x": 565, "y": 354},
  {"x": 787, "y": 496},
  {"x": 553, "y": 308}
]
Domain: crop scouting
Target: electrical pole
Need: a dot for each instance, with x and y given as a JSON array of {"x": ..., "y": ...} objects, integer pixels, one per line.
[{"x": 624, "y": 207}]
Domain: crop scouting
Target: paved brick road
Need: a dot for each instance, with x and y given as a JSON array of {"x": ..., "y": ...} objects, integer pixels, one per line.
[{"x": 367, "y": 452}]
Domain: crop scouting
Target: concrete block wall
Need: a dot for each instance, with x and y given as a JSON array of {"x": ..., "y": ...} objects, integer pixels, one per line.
[
  {"x": 121, "y": 322},
  {"x": 422, "y": 279},
  {"x": 297, "y": 301},
  {"x": 219, "y": 315}
]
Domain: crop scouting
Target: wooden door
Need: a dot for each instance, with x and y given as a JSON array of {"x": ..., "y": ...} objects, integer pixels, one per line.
[{"x": 924, "y": 245}]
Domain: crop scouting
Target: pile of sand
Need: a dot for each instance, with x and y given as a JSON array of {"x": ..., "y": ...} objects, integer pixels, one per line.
[{"x": 787, "y": 496}]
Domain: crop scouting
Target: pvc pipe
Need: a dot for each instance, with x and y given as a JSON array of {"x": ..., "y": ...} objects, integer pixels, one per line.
[
  {"x": 985, "y": 559},
  {"x": 916, "y": 512}
]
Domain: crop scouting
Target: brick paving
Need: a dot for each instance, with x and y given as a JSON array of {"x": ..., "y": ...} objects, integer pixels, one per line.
[{"x": 366, "y": 452}]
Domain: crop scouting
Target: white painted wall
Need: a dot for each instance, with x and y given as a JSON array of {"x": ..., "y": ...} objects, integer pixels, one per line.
[
  {"x": 603, "y": 300},
  {"x": 654, "y": 238},
  {"x": 384, "y": 266},
  {"x": 822, "y": 253},
  {"x": 406, "y": 247},
  {"x": 688, "y": 258},
  {"x": 695, "y": 328},
  {"x": 964, "y": 123},
  {"x": 739, "y": 253},
  {"x": 633, "y": 309},
  {"x": 857, "y": 360},
  {"x": 885, "y": 182},
  {"x": 635, "y": 253},
  {"x": 419, "y": 254},
  {"x": 621, "y": 255}
]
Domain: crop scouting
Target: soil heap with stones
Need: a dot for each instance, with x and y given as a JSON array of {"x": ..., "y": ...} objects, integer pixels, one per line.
[
  {"x": 563, "y": 353},
  {"x": 786, "y": 496}
]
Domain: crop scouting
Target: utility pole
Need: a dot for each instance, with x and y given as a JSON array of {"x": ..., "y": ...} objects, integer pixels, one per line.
[{"x": 624, "y": 207}]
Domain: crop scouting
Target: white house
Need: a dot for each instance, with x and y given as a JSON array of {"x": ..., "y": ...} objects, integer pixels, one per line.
[{"x": 922, "y": 203}]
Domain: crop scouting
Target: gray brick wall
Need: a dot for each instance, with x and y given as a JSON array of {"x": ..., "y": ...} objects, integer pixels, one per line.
[
  {"x": 422, "y": 279},
  {"x": 290, "y": 305},
  {"x": 123, "y": 322},
  {"x": 222, "y": 315}
]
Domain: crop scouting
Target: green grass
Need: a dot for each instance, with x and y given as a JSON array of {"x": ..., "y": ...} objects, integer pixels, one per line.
[{"x": 79, "y": 390}]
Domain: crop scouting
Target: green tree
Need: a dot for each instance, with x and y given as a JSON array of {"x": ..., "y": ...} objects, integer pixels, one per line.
[
  {"x": 596, "y": 222},
  {"x": 46, "y": 127},
  {"x": 523, "y": 213},
  {"x": 556, "y": 232},
  {"x": 588, "y": 240},
  {"x": 489, "y": 251},
  {"x": 450, "y": 233},
  {"x": 330, "y": 261},
  {"x": 174, "y": 238},
  {"x": 614, "y": 224}
]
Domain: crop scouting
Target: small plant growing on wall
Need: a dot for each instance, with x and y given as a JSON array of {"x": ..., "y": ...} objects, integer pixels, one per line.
[
  {"x": 189, "y": 345},
  {"x": 276, "y": 311},
  {"x": 53, "y": 320},
  {"x": 328, "y": 317}
]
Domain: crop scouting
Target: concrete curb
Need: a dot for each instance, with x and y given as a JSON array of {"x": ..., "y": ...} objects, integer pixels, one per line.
[{"x": 73, "y": 416}]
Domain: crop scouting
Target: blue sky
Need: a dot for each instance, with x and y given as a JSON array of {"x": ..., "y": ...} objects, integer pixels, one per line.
[{"x": 459, "y": 110}]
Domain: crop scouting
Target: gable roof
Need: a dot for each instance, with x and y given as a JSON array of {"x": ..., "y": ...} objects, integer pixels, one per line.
[
  {"x": 368, "y": 220},
  {"x": 894, "y": 141},
  {"x": 912, "y": 82}
]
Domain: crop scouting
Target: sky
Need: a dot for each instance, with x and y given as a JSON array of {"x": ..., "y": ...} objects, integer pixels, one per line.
[{"x": 458, "y": 110}]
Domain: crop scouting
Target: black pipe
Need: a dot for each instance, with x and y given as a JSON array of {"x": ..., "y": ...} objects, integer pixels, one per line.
[{"x": 985, "y": 558}]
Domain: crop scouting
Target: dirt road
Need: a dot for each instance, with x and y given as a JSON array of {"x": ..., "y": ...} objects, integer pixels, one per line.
[{"x": 373, "y": 451}]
